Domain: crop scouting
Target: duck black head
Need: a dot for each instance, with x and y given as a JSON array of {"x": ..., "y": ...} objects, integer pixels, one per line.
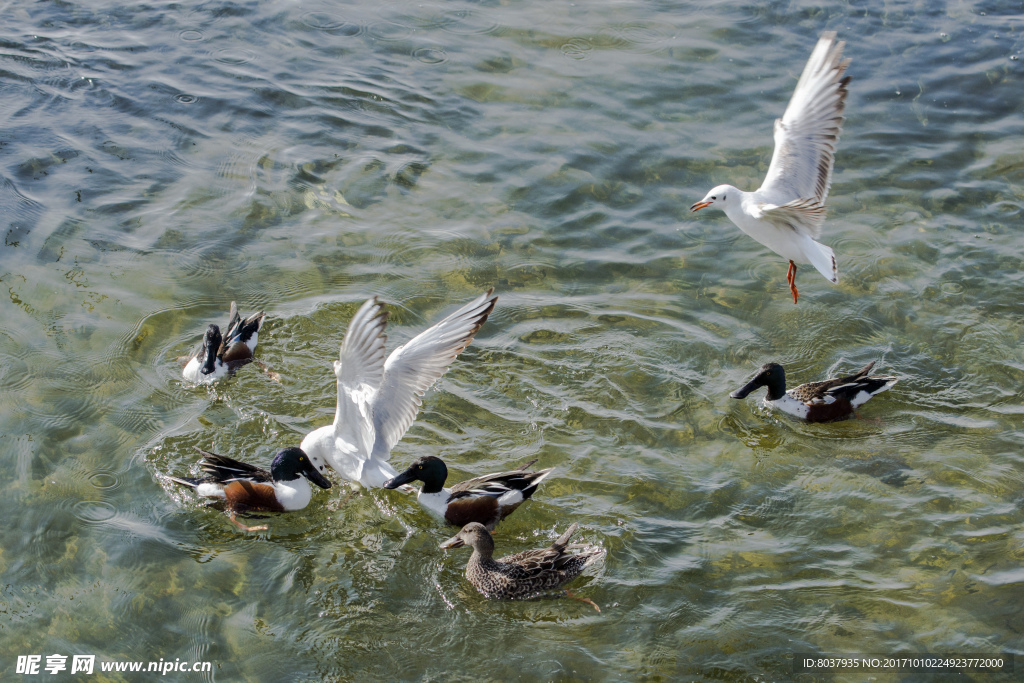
[
  {"x": 770, "y": 375},
  {"x": 291, "y": 463},
  {"x": 429, "y": 469},
  {"x": 211, "y": 347}
]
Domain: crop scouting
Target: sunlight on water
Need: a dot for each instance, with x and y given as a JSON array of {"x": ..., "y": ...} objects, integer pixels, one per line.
[{"x": 161, "y": 161}]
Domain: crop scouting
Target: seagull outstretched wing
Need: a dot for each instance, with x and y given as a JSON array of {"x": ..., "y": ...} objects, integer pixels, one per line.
[
  {"x": 412, "y": 368},
  {"x": 808, "y": 132}
]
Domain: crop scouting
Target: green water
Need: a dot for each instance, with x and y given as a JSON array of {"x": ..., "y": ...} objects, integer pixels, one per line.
[{"x": 158, "y": 161}]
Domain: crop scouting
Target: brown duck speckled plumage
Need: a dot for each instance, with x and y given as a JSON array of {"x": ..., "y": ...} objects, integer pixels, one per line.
[{"x": 524, "y": 574}]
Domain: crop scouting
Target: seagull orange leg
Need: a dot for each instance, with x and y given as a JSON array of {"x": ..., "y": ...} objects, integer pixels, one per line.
[{"x": 791, "y": 279}]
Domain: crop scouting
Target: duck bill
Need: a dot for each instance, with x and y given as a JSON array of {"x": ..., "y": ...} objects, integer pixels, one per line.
[
  {"x": 211, "y": 360},
  {"x": 453, "y": 542},
  {"x": 406, "y": 477},
  {"x": 743, "y": 391},
  {"x": 313, "y": 474},
  {"x": 699, "y": 205},
  {"x": 211, "y": 345}
]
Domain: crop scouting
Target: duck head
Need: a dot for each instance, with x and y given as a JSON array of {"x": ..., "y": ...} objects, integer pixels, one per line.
[
  {"x": 475, "y": 535},
  {"x": 291, "y": 463},
  {"x": 211, "y": 346},
  {"x": 770, "y": 375},
  {"x": 430, "y": 470}
]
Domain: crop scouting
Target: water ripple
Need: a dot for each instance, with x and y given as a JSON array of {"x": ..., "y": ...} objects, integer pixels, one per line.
[
  {"x": 430, "y": 55},
  {"x": 94, "y": 511},
  {"x": 465, "y": 22},
  {"x": 324, "y": 21},
  {"x": 638, "y": 37},
  {"x": 161, "y": 161},
  {"x": 104, "y": 480},
  {"x": 234, "y": 56},
  {"x": 577, "y": 48},
  {"x": 389, "y": 30}
]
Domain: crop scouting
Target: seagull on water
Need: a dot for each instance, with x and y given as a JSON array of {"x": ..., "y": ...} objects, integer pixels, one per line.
[
  {"x": 786, "y": 213},
  {"x": 379, "y": 396}
]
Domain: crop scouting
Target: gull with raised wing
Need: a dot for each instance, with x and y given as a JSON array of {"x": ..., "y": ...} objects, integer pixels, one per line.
[
  {"x": 378, "y": 398},
  {"x": 786, "y": 213}
]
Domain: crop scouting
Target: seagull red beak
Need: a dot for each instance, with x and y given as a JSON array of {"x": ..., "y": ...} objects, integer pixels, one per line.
[{"x": 698, "y": 206}]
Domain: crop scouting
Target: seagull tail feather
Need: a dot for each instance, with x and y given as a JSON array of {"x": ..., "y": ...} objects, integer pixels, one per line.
[{"x": 824, "y": 259}]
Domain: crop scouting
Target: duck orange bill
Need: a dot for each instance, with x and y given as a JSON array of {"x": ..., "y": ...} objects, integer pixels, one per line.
[
  {"x": 453, "y": 542},
  {"x": 698, "y": 206}
]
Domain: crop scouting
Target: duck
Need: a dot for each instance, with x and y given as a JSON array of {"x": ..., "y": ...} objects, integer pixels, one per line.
[
  {"x": 220, "y": 355},
  {"x": 523, "y": 575},
  {"x": 248, "y": 488},
  {"x": 827, "y": 401},
  {"x": 379, "y": 396},
  {"x": 487, "y": 499},
  {"x": 787, "y": 212}
]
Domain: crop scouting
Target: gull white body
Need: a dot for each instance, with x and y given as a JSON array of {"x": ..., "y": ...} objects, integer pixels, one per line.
[
  {"x": 747, "y": 213},
  {"x": 787, "y": 212},
  {"x": 378, "y": 399},
  {"x": 349, "y": 459}
]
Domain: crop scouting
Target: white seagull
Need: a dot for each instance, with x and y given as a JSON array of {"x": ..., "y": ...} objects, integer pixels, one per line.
[
  {"x": 786, "y": 213},
  {"x": 378, "y": 399}
]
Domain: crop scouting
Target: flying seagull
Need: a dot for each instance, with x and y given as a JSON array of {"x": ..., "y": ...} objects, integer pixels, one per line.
[{"x": 786, "y": 213}]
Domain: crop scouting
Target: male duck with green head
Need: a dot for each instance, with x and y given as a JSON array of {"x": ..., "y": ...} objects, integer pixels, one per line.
[{"x": 487, "y": 499}]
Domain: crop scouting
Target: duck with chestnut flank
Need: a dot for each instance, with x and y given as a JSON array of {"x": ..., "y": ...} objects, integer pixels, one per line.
[
  {"x": 827, "y": 401},
  {"x": 248, "y": 488},
  {"x": 487, "y": 499},
  {"x": 220, "y": 355}
]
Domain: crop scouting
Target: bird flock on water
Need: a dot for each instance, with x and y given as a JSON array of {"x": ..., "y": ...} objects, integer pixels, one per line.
[{"x": 379, "y": 394}]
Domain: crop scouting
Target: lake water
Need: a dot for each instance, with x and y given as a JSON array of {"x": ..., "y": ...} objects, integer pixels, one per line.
[{"x": 159, "y": 160}]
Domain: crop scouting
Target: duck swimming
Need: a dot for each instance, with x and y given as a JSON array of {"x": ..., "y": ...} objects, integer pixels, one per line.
[
  {"x": 487, "y": 499},
  {"x": 246, "y": 487},
  {"x": 827, "y": 401},
  {"x": 220, "y": 355},
  {"x": 379, "y": 396},
  {"x": 523, "y": 575}
]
